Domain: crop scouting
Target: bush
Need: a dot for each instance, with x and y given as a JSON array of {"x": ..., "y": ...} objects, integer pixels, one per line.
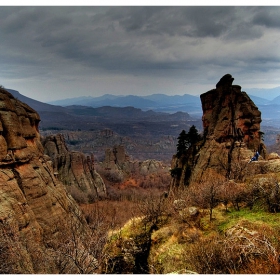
[
  {"x": 248, "y": 253},
  {"x": 266, "y": 193}
]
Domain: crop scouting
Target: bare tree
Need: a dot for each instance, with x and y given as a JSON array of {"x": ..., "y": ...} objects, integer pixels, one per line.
[
  {"x": 78, "y": 252},
  {"x": 232, "y": 192},
  {"x": 206, "y": 193},
  {"x": 155, "y": 209},
  {"x": 239, "y": 252}
]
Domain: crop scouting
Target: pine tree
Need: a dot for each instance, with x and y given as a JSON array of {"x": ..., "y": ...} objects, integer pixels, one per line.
[
  {"x": 186, "y": 140},
  {"x": 193, "y": 136},
  {"x": 182, "y": 145}
]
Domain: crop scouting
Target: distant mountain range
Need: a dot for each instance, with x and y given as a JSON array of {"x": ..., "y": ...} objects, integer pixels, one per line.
[
  {"x": 168, "y": 114},
  {"x": 81, "y": 116},
  {"x": 265, "y": 93},
  {"x": 145, "y": 134},
  {"x": 156, "y": 102}
]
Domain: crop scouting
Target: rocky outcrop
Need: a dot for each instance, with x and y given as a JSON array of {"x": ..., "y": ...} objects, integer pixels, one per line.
[
  {"x": 230, "y": 116},
  {"x": 120, "y": 172},
  {"x": 231, "y": 123},
  {"x": 117, "y": 160},
  {"x": 34, "y": 206},
  {"x": 74, "y": 169},
  {"x": 115, "y": 157}
]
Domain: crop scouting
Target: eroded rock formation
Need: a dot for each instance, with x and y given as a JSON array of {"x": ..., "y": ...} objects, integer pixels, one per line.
[
  {"x": 34, "y": 206},
  {"x": 231, "y": 124},
  {"x": 116, "y": 159},
  {"x": 119, "y": 170},
  {"x": 74, "y": 169},
  {"x": 230, "y": 116}
]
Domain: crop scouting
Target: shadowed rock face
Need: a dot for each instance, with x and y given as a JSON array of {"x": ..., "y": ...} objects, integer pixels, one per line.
[
  {"x": 74, "y": 169},
  {"x": 231, "y": 123},
  {"x": 34, "y": 205}
]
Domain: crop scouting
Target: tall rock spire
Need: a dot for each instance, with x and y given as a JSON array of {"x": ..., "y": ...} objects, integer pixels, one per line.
[
  {"x": 229, "y": 115},
  {"x": 231, "y": 123}
]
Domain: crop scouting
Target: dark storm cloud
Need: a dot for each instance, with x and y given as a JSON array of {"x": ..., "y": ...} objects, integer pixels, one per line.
[
  {"x": 15, "y": 20},
  {"x": 65, "y": 41},
  {"x": 117, "y": 37},
  {"x": 182, "y": 21},
  {"x": 268, "y": 17}
]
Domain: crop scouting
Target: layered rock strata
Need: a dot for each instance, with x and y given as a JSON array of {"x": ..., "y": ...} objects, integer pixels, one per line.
[
  {"x": 74, "y": 169},
  {"x": 34, "y": 206}
]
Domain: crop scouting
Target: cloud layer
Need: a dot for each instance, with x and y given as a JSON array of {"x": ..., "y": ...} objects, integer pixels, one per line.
[{"x": 50, "y": 53}]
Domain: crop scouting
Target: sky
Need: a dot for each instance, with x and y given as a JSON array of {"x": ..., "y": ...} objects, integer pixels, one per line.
[{"x": 55, "y": 52}]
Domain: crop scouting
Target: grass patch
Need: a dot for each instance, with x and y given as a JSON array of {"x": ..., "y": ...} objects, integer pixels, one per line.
[
  {"x": 168, "y": 256},
  {"x": 223, "y": 220},
  {"x": 259, "y": 217}
]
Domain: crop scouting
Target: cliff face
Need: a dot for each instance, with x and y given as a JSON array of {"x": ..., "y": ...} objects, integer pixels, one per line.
[
  {"x": 230, "y": 115},
  {"x": 34, "y": 206},
  {"x": 74, "y": 169},
  {"x": 231, "y": 124}
]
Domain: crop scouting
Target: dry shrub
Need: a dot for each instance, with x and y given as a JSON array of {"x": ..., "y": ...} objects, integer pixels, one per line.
[
  {"x": 206, "y": 194},
  {"x": 265, "y": 192},
  {"x": 113, "y": 213},
  {"x": 232, "y": 193},
  {"x": 247, "y": 253},
  {"x": 19, "y": 251},
  {"x": 76, "y": 251},
  {"x": 156, "y": 210},
  {"x": 207, "y": 256}
]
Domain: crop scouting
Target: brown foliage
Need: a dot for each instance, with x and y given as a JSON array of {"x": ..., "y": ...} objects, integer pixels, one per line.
[
  {"x": 74, "y": 252},
  {"x": 234, "y": 254},
  {"x": 265, "y": 192},
  {"x": 114, "y": 214},
  {"x": 233, "y": 193},
  {"x": 207, "y": 193}
]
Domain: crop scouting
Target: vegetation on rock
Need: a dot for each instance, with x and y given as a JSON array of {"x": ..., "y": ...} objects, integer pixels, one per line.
[{"x": 220, "y": 215}]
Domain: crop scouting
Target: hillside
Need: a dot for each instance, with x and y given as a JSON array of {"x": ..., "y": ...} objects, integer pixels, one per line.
[
  {"x": 219, "y": 216},
  {"x": 222, "y": 212}
]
